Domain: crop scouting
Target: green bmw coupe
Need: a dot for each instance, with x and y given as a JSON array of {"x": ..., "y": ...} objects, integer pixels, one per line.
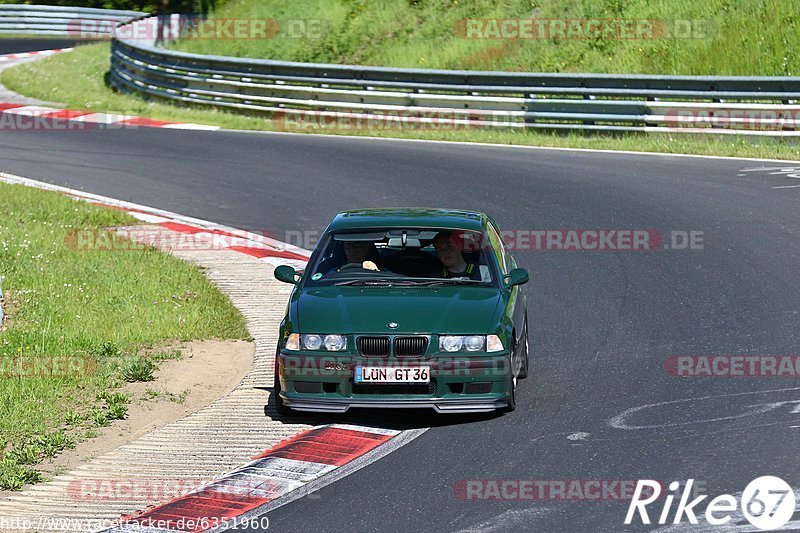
[{"x": 404, "y": 308}]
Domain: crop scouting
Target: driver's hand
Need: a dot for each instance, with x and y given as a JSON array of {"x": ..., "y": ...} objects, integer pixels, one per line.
[{"x": 369, "y": 265}]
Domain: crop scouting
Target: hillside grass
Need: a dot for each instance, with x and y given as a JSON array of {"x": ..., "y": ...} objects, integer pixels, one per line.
[
  {"x": 77, "y": 319},
  {"x": 712, "y": 37}
]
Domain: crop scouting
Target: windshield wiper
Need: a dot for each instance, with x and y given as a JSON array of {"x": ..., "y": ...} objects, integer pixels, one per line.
[
  {"x": 386, "y": 282},
  {"x": 408, "y": 282},
  {"x": 432, "y": 282},
  {"x": 451, "y": 281}
]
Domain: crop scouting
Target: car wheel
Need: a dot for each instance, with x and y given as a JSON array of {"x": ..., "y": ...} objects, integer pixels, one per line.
[
  {"x": 512, "y": 387},
  {"x": 523, "y": 371},
  {"x": 280, "y": 407}
]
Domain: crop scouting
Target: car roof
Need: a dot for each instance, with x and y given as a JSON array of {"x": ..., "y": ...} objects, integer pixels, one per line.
[{"x": 408, "y": 216}]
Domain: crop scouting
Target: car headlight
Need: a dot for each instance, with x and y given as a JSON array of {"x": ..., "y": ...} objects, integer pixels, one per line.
[
  {"x": 315, "y": 342},
  {"x": 474, "y": 343},
  {"x": 335, "y": 343},
  {"x": 310, "y": 341},
  {"x": 451, "y": 343},
  {"x": 470, "y": 343}
]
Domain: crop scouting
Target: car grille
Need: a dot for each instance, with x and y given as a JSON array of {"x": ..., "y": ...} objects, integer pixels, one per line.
[
  {"x": 396, "y": 389},
  {"x": 410, "y": 346},
  {"x": 373, "y": 346}
]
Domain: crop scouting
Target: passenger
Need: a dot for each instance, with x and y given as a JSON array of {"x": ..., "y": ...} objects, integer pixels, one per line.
[
  {"x": 356, "y": 253},
  {"x": 449, "y": 249}
]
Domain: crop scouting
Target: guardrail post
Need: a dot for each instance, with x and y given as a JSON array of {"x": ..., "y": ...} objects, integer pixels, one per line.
[
  {"x": 529, "y": 97},
  {"x": 589, "y": 97}
]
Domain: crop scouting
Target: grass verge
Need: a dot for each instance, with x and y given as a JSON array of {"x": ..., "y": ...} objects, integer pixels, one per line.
[{"x": 78, "y": 320}]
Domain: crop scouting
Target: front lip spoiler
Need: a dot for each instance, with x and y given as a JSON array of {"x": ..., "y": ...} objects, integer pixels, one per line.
[{"x": 440, "y": 406}]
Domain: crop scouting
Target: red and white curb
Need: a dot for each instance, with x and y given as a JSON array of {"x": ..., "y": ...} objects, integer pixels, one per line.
[
  {"x": 17, "y": 116},
  {"x": 36, "y": 53},
  {"x": 288, "y": 470},
  {"x": 231, "y": 501},
  {"x": 200, "y": 234}
]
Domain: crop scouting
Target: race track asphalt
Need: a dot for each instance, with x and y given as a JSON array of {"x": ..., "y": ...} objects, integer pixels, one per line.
[
  {"x": 602, "y": 324},
  {"x": 15, "y": 46}
]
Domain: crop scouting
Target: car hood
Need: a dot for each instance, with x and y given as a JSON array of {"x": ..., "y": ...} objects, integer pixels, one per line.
[{"x": 416, "y": 310}]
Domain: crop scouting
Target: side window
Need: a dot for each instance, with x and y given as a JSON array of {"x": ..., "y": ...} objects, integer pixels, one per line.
[{"x": 498, "y": 248}]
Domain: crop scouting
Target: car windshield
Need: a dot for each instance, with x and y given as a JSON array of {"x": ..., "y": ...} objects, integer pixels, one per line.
[{"x": 404, "y": 256}]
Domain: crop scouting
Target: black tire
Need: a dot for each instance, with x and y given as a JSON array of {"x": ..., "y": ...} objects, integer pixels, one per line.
[
  {"x": 523, "y": 371},
  {"x": 512, "y": 385},
  {"x": 280, "y": 407}
]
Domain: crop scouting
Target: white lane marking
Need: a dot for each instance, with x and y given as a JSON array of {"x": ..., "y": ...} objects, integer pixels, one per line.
[
  {"x": 736, "y": 516},
  {"x": 288, "y": 468},
  {"x": 514, "y": 146},
  {"x": 766, "y": 169},
  {"x": 39, "y": 53},
  {"x": 618, "y": 421},
  {"x": 789, "y": 172},
  {"x": 578, "y": 436},
  {"x": 190, "y": 126},
  {"x": 692, "y": 435},
  {"x": 787, "y": 187},
  {"x": 29, "y": 110},
  {"x": 511, "y": 520},
  {"x": 150, "y": 219},
  {"x": 794, "y": 525},
  {"x": 103, "y": 118},
  {"x": 20, "y": 180},
  {"x": 367, "y": 429}
]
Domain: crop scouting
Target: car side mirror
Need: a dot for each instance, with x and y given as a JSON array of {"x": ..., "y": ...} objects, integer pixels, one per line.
[
  {"x": 286, "y": 274},
  {"x": 518, "y": 276}
]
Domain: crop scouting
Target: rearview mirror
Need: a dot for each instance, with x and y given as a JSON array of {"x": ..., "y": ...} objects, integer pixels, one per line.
[
  {"x": 518, "y": 276},
  {"x": 286, "y": 274}
]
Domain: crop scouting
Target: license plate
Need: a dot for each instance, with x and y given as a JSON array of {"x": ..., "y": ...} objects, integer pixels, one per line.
[{"x": 392, "y": 374}]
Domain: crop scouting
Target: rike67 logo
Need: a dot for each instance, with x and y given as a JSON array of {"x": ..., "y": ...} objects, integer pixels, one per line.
[{"x": 768, "y": 503}]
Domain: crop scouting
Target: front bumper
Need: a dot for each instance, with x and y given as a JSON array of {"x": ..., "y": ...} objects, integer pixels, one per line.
[
  {"x": 474, "y": 384},
  {"x": 440, "y": 405}
]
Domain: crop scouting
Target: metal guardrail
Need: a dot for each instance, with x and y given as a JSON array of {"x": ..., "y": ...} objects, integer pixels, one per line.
[
  {"x": 318, "y": 96},
  {"x": 80, "y": 22}
]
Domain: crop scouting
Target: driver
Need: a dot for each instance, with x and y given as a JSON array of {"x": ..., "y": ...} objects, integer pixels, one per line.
[
  {"x": 356, "y": 253},
  {"x": 449, "y": 249}
]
